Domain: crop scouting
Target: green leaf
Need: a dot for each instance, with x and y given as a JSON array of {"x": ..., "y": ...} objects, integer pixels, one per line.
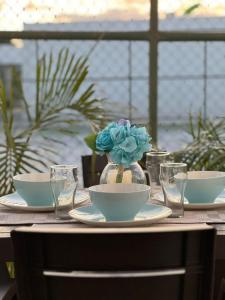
[
  {"x": 90, "y": 140},
  {"x": 191, "y": 9}
]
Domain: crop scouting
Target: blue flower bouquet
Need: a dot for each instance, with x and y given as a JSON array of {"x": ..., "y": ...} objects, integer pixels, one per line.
[{"x": 124, "y": 144}]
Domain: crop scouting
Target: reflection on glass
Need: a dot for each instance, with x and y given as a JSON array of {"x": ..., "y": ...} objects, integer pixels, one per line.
[
  {"x": 64, "y": 182},
  {"x": 153, "y": 161},
  {"x": 173, "y": 178}
]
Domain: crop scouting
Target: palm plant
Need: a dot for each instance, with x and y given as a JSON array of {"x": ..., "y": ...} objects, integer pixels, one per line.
[
  {"x": 207, "y": 150},
  {"x": 192, "y": 8},
  {"x": 61, "y": 102}
]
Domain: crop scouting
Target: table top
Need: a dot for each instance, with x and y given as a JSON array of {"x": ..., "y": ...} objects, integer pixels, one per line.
[
  {"x": 5, "y": 230},
  {"x": 10, "y": 219}
]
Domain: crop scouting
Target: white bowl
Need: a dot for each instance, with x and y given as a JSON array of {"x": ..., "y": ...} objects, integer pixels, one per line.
[
  {"x": 34, "y": 188},
  {"x": 204, "y": 186},
  {"x": 119, "y": 201}
]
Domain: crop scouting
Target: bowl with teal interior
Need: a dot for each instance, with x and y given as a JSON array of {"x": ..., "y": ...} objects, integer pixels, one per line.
[
  {"x": 204, "y": 186},
  {"x": 34, "y": 188},
  {"x": 119, "y": 201}
]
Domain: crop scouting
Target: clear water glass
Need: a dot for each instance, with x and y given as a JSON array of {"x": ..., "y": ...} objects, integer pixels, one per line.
[
  {"x": 64, "y": 181},
  {"x": 173, "y": 179},
  {"x": 153, "y": 161}
]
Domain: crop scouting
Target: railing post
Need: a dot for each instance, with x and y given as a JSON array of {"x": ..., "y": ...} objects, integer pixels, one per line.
[
  {"x": 153, "y": 72},
  {"x": 130, "y": 102},
  {"x": 205, "y": 83}
]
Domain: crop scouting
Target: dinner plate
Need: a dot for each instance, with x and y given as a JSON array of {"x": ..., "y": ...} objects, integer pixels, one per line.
[
  {"x": 150, "y": 213},
  {"x": 15, "y": 202},
  {"x": 219, "y": 202}
]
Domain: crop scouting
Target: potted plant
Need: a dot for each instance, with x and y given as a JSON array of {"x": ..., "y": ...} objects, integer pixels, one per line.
[{"x": 207, "y": 150}]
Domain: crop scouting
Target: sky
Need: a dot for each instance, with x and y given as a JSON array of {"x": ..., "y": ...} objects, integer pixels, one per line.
[{"x": 13, "y": 13}]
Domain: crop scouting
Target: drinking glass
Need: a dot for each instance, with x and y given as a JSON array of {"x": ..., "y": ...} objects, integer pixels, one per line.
[
  {"x": 64, "y": 180},
  {"x": 153, "y": 161},
  {"x": 173, "y": 178}
]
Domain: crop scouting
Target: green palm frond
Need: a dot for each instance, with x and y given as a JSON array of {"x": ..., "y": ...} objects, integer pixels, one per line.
[
  {"x": 192, "y": 8},
  {"x": 207, "y": 150},
  {"x": 59, "y": 88},
  {"x": 63, "y": 99}
]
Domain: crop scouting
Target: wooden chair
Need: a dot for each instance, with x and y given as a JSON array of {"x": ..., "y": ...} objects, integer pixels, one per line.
[
  {"x": 221, "y": 294},
  {"x": 157, "y": 263},
  {"x": 7, "y": 285},
  {"x": 100, "y": 163}
]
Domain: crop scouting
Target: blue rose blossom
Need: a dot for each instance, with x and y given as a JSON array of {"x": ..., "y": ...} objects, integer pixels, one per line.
[
  {"x": 104, "y": 141},
  {"x": 129, "y": 144},
  {"x": 124, "y": 142},
  {"x": 120, "y": 157},
  {"x": 118, "y": 134},
  {"x": 140, "y": 134},
  {"x": 111, "y": 125}
]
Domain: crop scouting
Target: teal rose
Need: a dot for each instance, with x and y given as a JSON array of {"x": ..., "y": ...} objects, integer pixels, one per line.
[
  {"x": 140, "y": 134},
  {"x": 129, "y": 145},
  {"x": 121, "y": 157},
  {"x": 124, "y": 142},
  {"x": 104, "y": 141},
  {"x": 118, "y": 134}
]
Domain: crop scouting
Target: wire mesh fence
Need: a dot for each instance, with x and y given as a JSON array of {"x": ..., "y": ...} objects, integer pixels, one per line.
[
  {"x": 191, "y": 77},
  {"x": 191, "y": 80}
]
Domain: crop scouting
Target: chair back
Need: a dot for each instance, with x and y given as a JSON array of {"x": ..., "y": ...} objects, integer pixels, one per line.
[
  {"x": 157, "y": 263},
  {"x": 92, "y": 168}
]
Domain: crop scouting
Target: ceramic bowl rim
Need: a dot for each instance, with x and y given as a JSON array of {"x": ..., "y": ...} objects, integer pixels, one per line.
[
  {"x": 211, "y": 177},
  {"x": 145, "y": 188},
  {"x": 28, "y": 177}
]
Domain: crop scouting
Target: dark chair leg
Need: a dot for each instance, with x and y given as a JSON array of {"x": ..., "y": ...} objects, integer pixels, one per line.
[
  {"x": 11, "y": 292},
  {"x": 221, "y": 295},
  {"x": 7, "y": 285}
]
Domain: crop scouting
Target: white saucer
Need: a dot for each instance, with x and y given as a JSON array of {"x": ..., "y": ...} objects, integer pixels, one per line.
[
  {"x": 15, "y": 202},
  {"x": 219, "y": 202},
  {"x": 149, "y": 214}
]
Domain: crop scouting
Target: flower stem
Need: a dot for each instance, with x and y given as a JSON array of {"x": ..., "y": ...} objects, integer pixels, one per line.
[{"x": 119, "y": 176}]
